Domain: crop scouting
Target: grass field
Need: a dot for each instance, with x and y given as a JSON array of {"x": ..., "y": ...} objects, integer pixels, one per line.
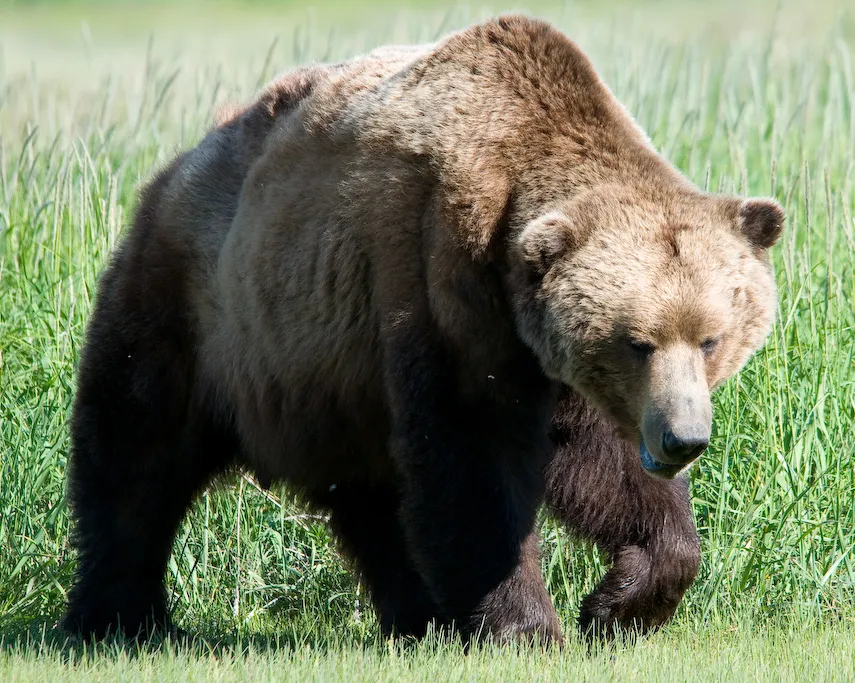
[{"x": 744, "y": 97}]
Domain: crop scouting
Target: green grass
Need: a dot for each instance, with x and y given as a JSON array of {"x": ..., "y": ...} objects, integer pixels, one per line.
[
  {"x": 815, "y": 654},
  {"x": 748, "y": 99}
]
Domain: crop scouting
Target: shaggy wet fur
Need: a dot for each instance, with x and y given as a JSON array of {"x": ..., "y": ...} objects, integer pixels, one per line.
[{"x": 347, "y": 286}]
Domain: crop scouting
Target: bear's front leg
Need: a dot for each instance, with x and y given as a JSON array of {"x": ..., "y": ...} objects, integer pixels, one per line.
[
  {"x": 520, "y": 606},
  {"x": 598, "y": 488},
  {"x": 471, "y": 471}
]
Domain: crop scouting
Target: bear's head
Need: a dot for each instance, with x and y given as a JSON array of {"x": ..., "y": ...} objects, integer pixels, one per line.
[{"x": 644, "y": 304}]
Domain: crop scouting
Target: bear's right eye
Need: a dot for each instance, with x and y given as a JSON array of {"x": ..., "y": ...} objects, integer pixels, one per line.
[{"x": 643, "y": 349}]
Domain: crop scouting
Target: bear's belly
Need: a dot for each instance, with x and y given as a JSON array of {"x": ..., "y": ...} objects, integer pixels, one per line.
[
  {"x": 310, "y": 436},
  {"x": 306, "y": 392}
]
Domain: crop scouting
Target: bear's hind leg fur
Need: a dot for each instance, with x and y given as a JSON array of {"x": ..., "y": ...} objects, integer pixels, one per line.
[
  {"x": 127, "y": 498},
  {"x": 365, "y": 520},
  {"x": 597, "y": 487},
  {"x": 141, "y": 446}
]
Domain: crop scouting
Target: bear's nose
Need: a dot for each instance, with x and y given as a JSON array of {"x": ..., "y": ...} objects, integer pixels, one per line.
[{"x": 683, "y": 449}]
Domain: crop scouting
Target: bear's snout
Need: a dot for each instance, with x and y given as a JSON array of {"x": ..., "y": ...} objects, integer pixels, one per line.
[{"x": 676, "y": 421}]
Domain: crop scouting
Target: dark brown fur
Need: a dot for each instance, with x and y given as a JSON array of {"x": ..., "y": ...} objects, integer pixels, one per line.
[
  {"x": 596, "y": 486},
  {"x": 350, "y": 286}
]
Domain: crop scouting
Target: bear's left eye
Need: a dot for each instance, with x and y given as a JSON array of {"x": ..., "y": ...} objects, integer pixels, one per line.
[
  {"x": 643, "y": 349},
  {"x": 709, "y": 345}
]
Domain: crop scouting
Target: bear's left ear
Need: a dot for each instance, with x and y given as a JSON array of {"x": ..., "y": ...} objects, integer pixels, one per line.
[
  {"x": 544, "y": 240},
  {"x": 761, "y": 221}
]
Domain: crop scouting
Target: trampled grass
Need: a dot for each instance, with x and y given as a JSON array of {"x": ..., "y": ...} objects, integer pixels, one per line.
[{"x": 746, "y": 98}]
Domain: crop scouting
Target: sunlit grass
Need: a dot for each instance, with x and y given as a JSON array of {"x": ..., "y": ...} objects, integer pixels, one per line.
[{"x": 806, "y": 653}]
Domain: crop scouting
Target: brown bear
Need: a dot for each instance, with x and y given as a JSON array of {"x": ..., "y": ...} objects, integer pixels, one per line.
[{"x": 430, "y": 289}]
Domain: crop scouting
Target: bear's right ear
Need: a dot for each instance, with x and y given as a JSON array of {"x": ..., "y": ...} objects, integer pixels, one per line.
[
  {"x": 544, "y": 240},
  {"x": 761, "y": 221}
]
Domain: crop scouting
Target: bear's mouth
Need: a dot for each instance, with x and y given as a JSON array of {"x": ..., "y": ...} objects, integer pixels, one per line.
[{"x": 655, "y": 468}]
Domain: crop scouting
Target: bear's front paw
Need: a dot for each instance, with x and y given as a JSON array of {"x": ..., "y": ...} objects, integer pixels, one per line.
[
  {"x": 640, "y": 592},
  {"x": 541, "y": 631},
  {"x": 519, "y": 610}
]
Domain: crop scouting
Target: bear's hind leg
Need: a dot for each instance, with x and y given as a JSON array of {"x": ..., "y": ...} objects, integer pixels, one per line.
[
  {"x": 140, "y": 450},
  {"x": 365, "y": 520},
  {"x": 597, "y": 487},
  {"x": 133, "y": 473},
  {"x": 132, "y": 476}
]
